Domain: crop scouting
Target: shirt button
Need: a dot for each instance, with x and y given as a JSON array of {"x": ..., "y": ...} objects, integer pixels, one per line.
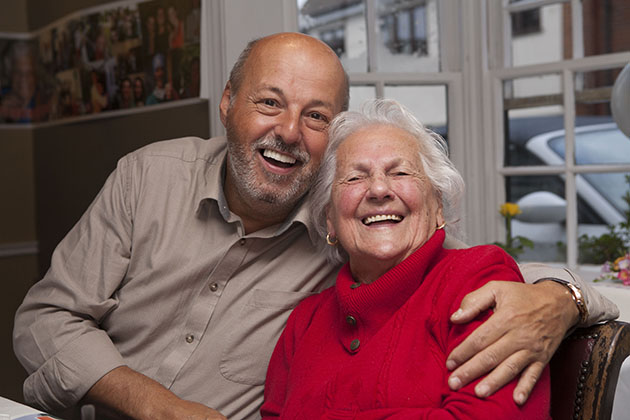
[
  {"x": 190, "y": 338},
  {"x": 354, "y": 344},
  {"x": 242, "y": 241},
  {"x": 351, "y": 320},
  {"x": 355, "y": 285},
  {"x": 214, "y": 287}
]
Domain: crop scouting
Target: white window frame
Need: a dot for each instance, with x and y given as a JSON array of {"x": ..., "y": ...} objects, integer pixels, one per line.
[{"x": 500, "y": 71}]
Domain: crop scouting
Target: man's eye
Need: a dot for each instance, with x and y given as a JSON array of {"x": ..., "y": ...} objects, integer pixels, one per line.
[
  {"x": 270, "y": 102},
  {"x": 318, "y": 116}
]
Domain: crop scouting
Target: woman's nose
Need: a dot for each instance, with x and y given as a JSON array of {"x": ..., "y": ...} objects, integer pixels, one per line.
[{"x": 379, "y": 188}]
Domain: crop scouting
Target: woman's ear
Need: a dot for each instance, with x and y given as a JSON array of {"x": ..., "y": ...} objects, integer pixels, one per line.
[
  {"x": 439, "y": 217},
  {"x": 329, "y": 224}
]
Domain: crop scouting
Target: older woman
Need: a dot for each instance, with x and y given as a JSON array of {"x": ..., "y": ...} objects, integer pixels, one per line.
[{"x": 375, "y": 345}]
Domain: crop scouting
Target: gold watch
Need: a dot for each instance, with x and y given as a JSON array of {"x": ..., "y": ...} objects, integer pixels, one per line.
[{"x": 576, "y": 295}]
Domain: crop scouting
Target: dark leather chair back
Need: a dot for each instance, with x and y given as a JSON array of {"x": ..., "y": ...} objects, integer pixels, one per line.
[{"x": 585, "y": 369}]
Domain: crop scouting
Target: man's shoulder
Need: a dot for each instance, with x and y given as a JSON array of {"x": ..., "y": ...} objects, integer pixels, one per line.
[{"x": 185, "y": 149}]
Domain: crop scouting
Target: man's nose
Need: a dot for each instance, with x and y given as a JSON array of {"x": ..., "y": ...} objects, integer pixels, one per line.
[{"x": 288, "y": 127}]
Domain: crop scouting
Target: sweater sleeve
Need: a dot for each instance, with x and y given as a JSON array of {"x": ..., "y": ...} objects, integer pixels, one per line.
[
  {"x": 488, "y": 263},
  {"x": 277, "y": 379},
  {"x": 57, "y": 336}
]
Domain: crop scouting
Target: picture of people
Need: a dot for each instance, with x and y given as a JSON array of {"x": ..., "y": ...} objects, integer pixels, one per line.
[
  {"x": 22, "y": 98},
  {"x": 116, "y": 58}
]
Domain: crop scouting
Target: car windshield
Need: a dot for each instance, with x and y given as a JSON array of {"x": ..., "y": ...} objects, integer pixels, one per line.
[{"x": 602, "y": 146}]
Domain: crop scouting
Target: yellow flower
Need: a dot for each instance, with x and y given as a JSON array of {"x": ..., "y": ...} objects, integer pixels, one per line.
[{"x": 509, "y": 209}]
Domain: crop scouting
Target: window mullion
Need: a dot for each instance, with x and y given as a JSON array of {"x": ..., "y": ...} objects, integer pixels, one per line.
[
  {"x": 570, "y": 187},
  {"x": 371, "y": 17}
]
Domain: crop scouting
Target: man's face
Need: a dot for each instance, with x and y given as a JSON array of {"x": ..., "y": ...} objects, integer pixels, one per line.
[{"x": 277, "y": 122}]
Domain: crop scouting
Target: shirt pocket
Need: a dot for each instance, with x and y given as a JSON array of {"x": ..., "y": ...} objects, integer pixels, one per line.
[{"x": 248, "y": 347}]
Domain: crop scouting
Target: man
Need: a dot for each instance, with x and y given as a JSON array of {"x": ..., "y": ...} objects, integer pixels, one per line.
[{"x": 168, "y": 296}]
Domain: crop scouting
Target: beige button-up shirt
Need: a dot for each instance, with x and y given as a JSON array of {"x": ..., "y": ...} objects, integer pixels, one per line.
[{"x": 158, "y": 275}]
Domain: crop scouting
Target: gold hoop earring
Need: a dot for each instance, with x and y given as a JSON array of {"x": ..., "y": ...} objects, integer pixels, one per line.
[
  {"x": 441, "y": 226},
  {"x": 331, "y": 242}
]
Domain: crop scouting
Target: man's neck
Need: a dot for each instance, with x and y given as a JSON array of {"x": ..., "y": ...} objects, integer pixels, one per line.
[{"x": 254, "y": 217}]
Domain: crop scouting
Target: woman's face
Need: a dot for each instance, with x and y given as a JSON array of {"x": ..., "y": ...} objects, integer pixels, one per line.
[
  {"x": 138, "y": 88},
  {"x": 383, "y": 206}
]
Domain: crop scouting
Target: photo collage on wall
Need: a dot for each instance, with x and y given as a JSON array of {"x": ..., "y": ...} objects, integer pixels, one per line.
[{"x": 130, "y": 55}]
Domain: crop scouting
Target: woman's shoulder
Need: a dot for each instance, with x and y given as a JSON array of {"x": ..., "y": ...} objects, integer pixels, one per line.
[
  {"x": 470, "y": 268},
  {"x": 479, "y": 256}
]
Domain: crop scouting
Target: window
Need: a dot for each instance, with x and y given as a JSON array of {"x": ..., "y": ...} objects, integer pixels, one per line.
[
  {"x": 563, "y": 155},
  {"x": 527, "y": 22},
  {"x": 405, "y": 31}
]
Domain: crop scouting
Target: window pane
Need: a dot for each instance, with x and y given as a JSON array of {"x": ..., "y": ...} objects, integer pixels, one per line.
[
  {"x": 340, "y": 24},
  {"x": 604, "y": 207},
  {"x": 541, "y": 199},
  {"x": 539, "y": 35},
  {"x": 600, "y": 141},
  {"x": 408, "y": 36},
  {"x": 532, "y": 107},
  {"x": 360, "y": 94},
  {"x": 605, "y": 25},
  {"x": 427, "y": 103}
]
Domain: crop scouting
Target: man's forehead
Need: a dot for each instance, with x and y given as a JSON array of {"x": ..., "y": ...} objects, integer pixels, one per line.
[{"x": 287, "y": 94}]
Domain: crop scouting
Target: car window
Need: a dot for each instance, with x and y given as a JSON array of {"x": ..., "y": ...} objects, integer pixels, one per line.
[{"x": 600, "y": 146}]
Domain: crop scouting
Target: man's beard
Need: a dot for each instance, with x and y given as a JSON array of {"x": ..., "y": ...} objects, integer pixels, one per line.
[{"x": 242, "y": 166}]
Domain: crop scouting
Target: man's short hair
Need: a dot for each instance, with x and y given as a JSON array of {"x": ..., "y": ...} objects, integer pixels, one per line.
[{"x": 238, "y": 73}]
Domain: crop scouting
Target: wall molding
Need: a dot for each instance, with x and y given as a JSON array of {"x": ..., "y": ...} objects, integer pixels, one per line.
[{"x": 17, "y": 249}]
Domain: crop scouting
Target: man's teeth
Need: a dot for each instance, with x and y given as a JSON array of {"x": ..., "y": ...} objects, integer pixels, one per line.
[
  {"x": 381, "y": 218},
  {"x": 278, "y": 156}
]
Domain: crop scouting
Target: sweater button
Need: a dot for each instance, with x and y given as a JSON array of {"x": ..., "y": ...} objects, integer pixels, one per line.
[
  {"x": 351, "y": 320},
  {"x": 354, "y": 344}
]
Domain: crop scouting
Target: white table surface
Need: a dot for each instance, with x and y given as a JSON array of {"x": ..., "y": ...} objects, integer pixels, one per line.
[{"x": 12, "y": 410}]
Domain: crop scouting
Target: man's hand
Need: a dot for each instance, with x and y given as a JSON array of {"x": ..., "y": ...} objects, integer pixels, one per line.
[
  {"x": 126, "y": 393},
  {"x": 527, "y": 326}
]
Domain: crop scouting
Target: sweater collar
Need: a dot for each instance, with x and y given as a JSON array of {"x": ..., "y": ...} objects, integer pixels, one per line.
[{"x": 366, "y": 307}]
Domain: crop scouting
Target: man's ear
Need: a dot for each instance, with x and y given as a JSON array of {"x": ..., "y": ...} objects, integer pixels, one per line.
[{"x": 224, "y": 105}]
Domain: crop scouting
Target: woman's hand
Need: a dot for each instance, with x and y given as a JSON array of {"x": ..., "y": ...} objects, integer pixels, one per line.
[{"x": 526, "y": 328}]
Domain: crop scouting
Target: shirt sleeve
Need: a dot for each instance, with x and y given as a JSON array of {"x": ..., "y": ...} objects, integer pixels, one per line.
[
  {"x": 599, "y": 307},
  {"x": 57, "y": 335}
]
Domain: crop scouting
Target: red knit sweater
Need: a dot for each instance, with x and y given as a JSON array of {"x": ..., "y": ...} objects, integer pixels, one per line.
[{"x": 379, "y": 351}]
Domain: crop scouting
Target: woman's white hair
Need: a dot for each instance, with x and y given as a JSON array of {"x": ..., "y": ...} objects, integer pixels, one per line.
[{"x": 442, "y": 175}]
